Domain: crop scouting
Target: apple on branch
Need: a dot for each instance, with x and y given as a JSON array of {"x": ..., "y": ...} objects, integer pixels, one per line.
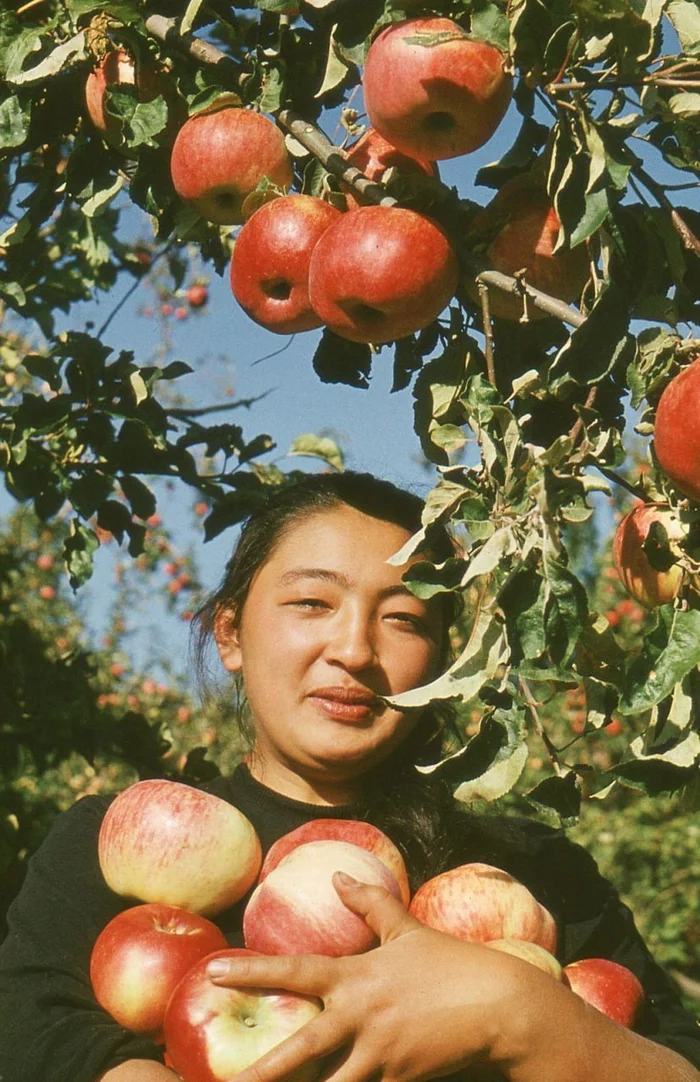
[
  {"x": 213, "y": 1033},
  {"x": 478, "y": 903},
  {"x": 608, "y": 986},
  {"x": 677, "y": 431},
  {"x": 221, "y": 155},
  {"x": 162, "y": 841},
  {"x": 118, "y": 70},
  {"x": 270, "y": 262},
  {"x": 518, "y": 232},
  {"x": 297, "y": 910},
  {"x": 380, "y": 273},
  {"x": 141, "y": 955},
  {"x": 354, "y": 831},
  {"x": 432, "y": 90},
  {"x": 374, "y": 155},
  {"x": 647, "y": 584}
]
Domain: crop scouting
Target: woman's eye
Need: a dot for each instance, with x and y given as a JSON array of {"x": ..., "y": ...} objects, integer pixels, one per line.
[
  {"x": 408, "y": 620},
  {"x": 309, "y": 603}
]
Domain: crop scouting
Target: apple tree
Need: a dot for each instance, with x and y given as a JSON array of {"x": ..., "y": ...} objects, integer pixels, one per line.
[{"x": 534, "y": 331}]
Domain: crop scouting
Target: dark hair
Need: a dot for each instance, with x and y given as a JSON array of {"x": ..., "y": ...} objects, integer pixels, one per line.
[{"x": 409, "y": 806}]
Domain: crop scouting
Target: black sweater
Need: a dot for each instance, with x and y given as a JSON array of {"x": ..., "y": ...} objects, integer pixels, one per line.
[{"x": 53, "y": 1030}]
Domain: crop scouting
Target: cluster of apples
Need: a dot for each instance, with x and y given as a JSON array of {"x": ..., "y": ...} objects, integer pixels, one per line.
[
  {"x": 677, "y": 450},
  {"x": 186, "y": 855},
  {"x": 373, "y": 273}
]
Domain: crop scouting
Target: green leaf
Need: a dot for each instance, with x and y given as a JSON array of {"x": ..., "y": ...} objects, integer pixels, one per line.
[
  {"x": 140, "y": 497},
  {"x": 14, "y": 122},
  {"x": 60, "y": 57},
  {"x": 654, "y": 677},
  {"x": 336, "y": 69},
  {"x": 685, "y": 17},
  {"x": 338, "y": 360},
  {"x": 489, "y": 23},
  {"x": 78, "y": 549},
  {"x": 318, "y": 447},
  {"x": 190, "y": 16},
  {"x": 559, "y": 796},
  {"x": 566, "y": 608}
]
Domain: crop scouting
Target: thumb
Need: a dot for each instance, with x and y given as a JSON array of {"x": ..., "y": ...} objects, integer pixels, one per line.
[{"x": 380, "y": 910}]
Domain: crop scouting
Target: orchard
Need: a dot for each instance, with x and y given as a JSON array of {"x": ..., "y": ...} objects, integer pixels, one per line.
[{"x": 543, "y": 331}]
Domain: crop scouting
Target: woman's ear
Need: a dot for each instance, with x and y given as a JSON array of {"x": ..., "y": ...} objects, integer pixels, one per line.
[{"x": 227, "y": 641}]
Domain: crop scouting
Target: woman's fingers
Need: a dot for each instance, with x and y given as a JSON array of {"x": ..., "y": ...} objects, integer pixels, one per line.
[
  {"x": 313, "y": 1041},
  {"x": 384, "y": 913},
  {"x": 310, "y": 974}
]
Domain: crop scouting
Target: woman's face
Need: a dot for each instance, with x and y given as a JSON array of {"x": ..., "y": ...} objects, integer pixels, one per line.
[{"x": 327, "y": 627}]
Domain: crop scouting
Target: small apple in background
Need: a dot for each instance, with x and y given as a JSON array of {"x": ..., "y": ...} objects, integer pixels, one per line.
[
  {"x": 270, "y": 262},
  {"x": 297, "y": 910},
  {"x": 197, "y": 295},
  {"x": 609, "y": 986},
  {"x": 433, "y": 91},
  {"x": 373, "y": 156},
  {"x": 645, "y": 584},
  {"x": 220, "y": 156},
  {"x": 118, "y": 69},
  {"x": 518, "y": 231},
  {"x": 141, "y": 956},
  {"x": 677, "y": 431},
  {"x": 529, "y": 952},
  {"x": 380, "y": 273},
  {"x": 212, "y": 1033},
  {"x": 161, "y": 841},
  {"x": 365, "y": 835},
  {"x": 479, "y": 903}
]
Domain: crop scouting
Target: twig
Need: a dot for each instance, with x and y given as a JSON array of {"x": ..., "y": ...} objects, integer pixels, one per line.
[
  {"x": 129, "y": 293},
  {"x": 690, "y": 241},
  {"x": 620, "y": 84},
  {"x": 590, "y": 399},
  {"x": 185, "y": 414},
  {"x": 543, "y": 301},
  {"x": 617, "y": 480},
  {"x": 575, "y": 37},
  {"x": 488, "y": 332},
  {"x": 26, "y": 7},
  {"x": 531, "y": 702}
]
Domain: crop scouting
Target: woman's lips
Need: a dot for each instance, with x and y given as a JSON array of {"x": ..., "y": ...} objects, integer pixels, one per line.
[{"x": 345, "y": 703}]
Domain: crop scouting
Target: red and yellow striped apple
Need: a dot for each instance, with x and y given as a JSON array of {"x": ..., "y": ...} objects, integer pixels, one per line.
[
  {"x": 161, "y": 841},
  {"x": 297, "y": 910},
  {"x": 677, "y": 431},
  {"x": 529, "y": 952}
]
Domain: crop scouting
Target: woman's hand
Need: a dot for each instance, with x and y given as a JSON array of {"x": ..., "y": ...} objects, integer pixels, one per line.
[{"x": 421, "y": 1005}]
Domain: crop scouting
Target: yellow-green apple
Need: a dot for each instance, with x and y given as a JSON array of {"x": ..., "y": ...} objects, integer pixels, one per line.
[
  {"x": 433, "y": 91},
  {"x": 609, "y": 986},
  {"x": 161, "y": 841},
  {"x": 212, "y": 1033},
  {"x": 380, "y": 273},
  {"x": 297, "y": 910},
  {"x": 365, "y": 835},
  {"x": 517, "y": 231},
  {"x": 141, "y": 955},
  {"x": 677, "y": 431},
  {"x": 373, "y": 155},
  {"x": 478, "y": 903},
  {"x": 270, "y": 262},
  {"x": 644, "y": 582},
  {"x": 220, "y": 156},
  {"x": 117, "y": 70},
  {"x": 529, "y": 952}
]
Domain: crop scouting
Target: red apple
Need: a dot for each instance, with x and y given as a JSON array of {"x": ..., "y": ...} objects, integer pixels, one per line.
[
  {"x": 478, "y": 903},
  {"x": 609, "y": 986},
  {"x": 433, "y": 91},
  {"x": 296, "y": 909},
  {"x": 380, "y": 273},
  {"x": 219, "y": 157},
  {"x": 118, "y": 69},
  {"x": 373, "y": 156},
  {"x": 197, "y": 295},
  {"x": 270, "y": 263},
  {"x": 529, "y": 952},
  {"x": 140, "y": 957},
  {"x": 677, "y": 431},
  {"x": 646, "y": 585},
  {"x": 365, "y": 835},
  {"x": 518, "y": 231},
  {"x": 212, "y": 1033},
  {"x": 161, "y": 841}
]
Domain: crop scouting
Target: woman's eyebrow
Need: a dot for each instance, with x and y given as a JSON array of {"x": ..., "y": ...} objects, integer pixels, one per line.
[{"x": 337, "y": 578}]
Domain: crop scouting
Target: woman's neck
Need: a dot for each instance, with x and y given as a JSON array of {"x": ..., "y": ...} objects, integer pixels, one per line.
[{"x": 303, "y": 787}]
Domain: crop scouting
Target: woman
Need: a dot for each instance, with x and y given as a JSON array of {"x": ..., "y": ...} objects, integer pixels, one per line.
[{"x": 321, "y": 629}]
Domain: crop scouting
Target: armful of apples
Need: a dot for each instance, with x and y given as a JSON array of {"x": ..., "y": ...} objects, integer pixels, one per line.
[{"x": 139, "y": 1070}]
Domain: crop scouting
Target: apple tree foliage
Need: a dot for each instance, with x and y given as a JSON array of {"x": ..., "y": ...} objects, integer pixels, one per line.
[{"x": 608, "y": 101}]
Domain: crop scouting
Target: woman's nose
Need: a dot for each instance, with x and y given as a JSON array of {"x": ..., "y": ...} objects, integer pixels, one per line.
[{"x": 352, "y": 642}]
